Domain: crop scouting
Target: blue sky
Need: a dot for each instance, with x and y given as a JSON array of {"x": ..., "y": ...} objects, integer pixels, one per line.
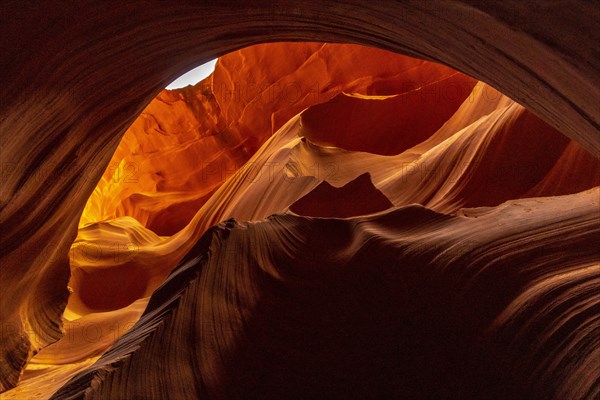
[{"x": 193, "y": 76}]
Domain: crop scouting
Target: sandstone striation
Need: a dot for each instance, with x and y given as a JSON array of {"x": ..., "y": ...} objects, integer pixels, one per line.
[
  {"x": 494, "y": 303},
  {"x": 454, "y": 194}
]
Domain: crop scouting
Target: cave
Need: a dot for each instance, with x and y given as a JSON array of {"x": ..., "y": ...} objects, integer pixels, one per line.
[{"x": 387, "y": 200}]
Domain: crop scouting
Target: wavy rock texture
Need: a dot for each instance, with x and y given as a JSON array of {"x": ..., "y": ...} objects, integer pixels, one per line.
[
  {"x": 468, "y": 162},
  {"x": 176, "y": 163},
  {"x": 77, "y": 76},
  {"x": 155, "y": 176},
  {"x": 84, "y": 340},
  {"x": 492, "y": 303},
  {"x": 463, "y": 163}
]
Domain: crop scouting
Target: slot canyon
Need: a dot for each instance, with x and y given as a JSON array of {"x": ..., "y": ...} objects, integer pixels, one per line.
[{"x": 393, "y": 200}]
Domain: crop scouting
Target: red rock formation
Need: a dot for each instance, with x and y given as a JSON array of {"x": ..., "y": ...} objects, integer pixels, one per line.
[
  {"x": 173, "y": 158},
  {"x": 75, "y": 77},
  {"x": 463, "y": 167},
  {"x": 462, "y": 163},
  {"x": 409, "y": 303},
  {"x": 187, "y": 142}
]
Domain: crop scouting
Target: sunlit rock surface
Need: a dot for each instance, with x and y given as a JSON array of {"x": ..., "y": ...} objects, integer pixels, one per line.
[
  {"x": 76, "y": 76},
  {"x": 469, "y": 162},
  {"x": 188, "y": 141},
  {"x": 85, "y": 338},
  {"x": 334, "y": 160},
  {"x": 488, "y": 151},
  {"x": 325, "y": 132}
]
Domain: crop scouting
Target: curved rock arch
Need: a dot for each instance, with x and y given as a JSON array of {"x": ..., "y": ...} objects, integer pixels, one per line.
[{"x": 77, "y": 76}]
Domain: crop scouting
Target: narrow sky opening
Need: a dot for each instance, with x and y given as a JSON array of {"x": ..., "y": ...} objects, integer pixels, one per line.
[{"x": 194, "y": 76}]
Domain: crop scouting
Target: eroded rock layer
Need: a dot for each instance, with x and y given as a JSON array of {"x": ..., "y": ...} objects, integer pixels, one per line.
[
  {"x": 491, "y": 303},
  {"x": 490, "y": 151},
  {"x": 187, "y": 142},
  {"x": 76, "y": 76},
  {"x": 303, "y": 137},
  {"x": 369, "y": 147}
]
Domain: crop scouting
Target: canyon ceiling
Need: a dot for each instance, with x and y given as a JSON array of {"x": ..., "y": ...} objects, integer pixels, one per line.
[{"x": 456, "y": 259}]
